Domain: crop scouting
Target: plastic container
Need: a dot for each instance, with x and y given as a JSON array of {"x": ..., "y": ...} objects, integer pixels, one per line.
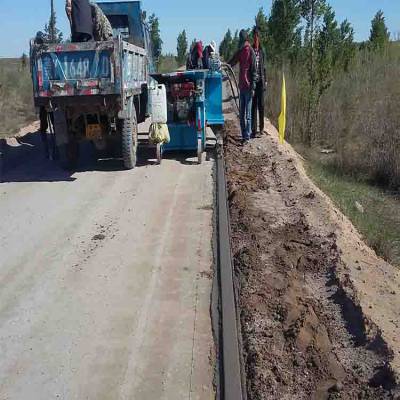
[{"x": 158, "y": 104}]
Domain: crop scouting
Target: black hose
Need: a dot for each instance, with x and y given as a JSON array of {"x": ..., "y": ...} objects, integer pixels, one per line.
[{"x": 230, "y": 74}]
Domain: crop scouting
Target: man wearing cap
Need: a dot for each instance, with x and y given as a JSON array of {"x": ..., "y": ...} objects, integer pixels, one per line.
[
  {"x": 247, "y": 82},
  {"x": 207, "y": 53},
  {"x": 258, "y": 103}
]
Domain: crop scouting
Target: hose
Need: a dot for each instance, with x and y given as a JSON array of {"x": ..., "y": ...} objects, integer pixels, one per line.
[{"x": 230, "y": 74}]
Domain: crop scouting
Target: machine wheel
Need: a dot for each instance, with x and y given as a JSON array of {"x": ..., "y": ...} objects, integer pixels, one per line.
[
  {"x": 130, "y": 140},
  {"x": 159, "y": 154},
  {"x": 199, "y": 151}
]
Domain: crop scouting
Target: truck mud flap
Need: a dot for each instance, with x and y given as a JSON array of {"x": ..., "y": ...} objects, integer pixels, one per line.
[{"x": 60, "y": 128}]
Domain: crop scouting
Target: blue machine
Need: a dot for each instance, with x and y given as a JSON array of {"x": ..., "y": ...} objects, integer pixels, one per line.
[{"x": 194, "y": 102}]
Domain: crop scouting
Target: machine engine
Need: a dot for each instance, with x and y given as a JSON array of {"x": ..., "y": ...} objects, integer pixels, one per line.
[{"x": 181, "y": 102}]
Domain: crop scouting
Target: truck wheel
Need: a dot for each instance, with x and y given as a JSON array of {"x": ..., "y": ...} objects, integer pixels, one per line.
[{"x": 130, "y": 140}]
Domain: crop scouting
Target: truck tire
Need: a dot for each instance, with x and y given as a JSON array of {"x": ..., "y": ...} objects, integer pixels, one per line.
[{"x": 130, "y": 139}]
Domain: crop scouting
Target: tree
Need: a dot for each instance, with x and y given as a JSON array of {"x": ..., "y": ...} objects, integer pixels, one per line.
[
  {"x": 234, "y": 44},
  {"x": 347, "y": 49},
  {"x": 261, "y": 22},
  {"x": 51, "y": 33},
  {"x": 311, "y": 11},
  {"x": 327, "y": 46},
  {"x": 182, "y": 48},
  {"x": 379, "y": 36},
  {"x": 155, "y": 37},
  {"x": 226, "y": 45},
  {"x": 284, "y": 33}
]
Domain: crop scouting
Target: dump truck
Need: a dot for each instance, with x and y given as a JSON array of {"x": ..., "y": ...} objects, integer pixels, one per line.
[{"x": 97, "y": 91}]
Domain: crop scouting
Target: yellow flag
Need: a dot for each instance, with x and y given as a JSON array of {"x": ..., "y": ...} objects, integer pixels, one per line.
[{"x": 282, "y": 116}]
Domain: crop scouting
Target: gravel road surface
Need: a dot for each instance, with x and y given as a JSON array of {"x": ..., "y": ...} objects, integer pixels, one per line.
[{"x": 105, "y": 280}]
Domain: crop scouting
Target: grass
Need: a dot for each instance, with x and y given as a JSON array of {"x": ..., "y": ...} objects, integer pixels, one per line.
[
  {"x": 167, "y": 63},
  {"x": 379, "y": 223},
  {"x": 359, "y": 119},
  {"x": 16, "y": 97},
  {"x": 358, "y": 115}
]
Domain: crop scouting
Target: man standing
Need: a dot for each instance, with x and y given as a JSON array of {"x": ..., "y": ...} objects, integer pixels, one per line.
[
  {"x": 197, "y": 56},
  {"x": 207, "y": 53},
  {"x": 79, "y": 14},
  {"x": 247, "y": 80},
  {"x": 258, "y": 98},
  {"x": 43, "y": 114}
]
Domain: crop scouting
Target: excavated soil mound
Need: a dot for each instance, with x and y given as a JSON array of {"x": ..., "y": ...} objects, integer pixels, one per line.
[{"x": 312, "y": 326}]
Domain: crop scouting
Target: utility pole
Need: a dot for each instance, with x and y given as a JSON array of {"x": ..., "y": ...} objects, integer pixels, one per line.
[{"x": 52, "y": 27}]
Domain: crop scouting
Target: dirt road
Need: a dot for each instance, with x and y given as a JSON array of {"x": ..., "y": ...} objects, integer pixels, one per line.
[
  {"x": 319, "y": 310},
  {"x": 105, "y": 281}
]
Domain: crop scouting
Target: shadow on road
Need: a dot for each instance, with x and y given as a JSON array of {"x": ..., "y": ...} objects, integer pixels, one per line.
[
  {"x": 23, "y": 160},
  {"x": 147, "y": 157}
]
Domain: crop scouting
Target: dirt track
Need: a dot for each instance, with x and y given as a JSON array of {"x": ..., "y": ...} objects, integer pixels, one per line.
[
  {"x": 105, "y": 279},
  {"x": 320, "y": 312}
]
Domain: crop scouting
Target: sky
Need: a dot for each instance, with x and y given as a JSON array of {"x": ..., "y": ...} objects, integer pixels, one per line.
[{"x": 205, "y": 19}]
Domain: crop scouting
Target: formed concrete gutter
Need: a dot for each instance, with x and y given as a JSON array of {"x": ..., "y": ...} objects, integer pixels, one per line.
[{"x": 231, "y": 374}]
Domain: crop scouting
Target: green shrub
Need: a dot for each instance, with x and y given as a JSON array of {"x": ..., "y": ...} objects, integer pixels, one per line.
[{"x": 16, "y": 98}]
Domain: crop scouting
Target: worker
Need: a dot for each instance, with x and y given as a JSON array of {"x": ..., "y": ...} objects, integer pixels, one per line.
[
  {"x": 40, "y": 38},
  {"x": 44, "y": 126},
  {"x": 207, "y": 54},
  {"x": 79, "y": 14},
  {"x": 258, "y": 103},
  {"x": 102, "y": 29},
  {"x": 189, "y": 65},
  {"x": 196, "y": 56},
  {"x": 247, "y": 82}
]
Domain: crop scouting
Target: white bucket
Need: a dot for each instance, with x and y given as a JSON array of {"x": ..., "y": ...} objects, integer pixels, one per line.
[{"x": 158, "y": 104}]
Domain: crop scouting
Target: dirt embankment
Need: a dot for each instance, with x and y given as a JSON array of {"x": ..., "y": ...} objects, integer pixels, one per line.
[{"x": 319, "y": 311}]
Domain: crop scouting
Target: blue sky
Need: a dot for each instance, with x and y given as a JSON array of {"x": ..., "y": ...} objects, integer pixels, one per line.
[{"x": 205, "y": 19}]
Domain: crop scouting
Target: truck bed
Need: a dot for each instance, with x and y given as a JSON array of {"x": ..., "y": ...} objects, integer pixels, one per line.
[{"x": 114, "y": 67}]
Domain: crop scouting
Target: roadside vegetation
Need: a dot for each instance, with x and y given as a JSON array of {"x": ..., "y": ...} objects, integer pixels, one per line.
[
  {"x": 343, "y": 99},
  {"x": 374, "y": 210},
  {"x": 16, "y": 100},
  {"x": 16, "y": 97}
]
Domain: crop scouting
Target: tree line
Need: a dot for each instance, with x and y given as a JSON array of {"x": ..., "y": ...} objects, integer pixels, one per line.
[{"x": 305, "y": 36}]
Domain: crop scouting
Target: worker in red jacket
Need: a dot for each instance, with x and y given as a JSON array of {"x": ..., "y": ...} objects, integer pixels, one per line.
[
  {"x": 196, "y": 56},
  {"x": 247, "y": 82}
]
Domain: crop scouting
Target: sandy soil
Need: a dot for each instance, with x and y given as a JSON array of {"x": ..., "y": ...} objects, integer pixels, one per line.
[{"x": 320, "y": 311}]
